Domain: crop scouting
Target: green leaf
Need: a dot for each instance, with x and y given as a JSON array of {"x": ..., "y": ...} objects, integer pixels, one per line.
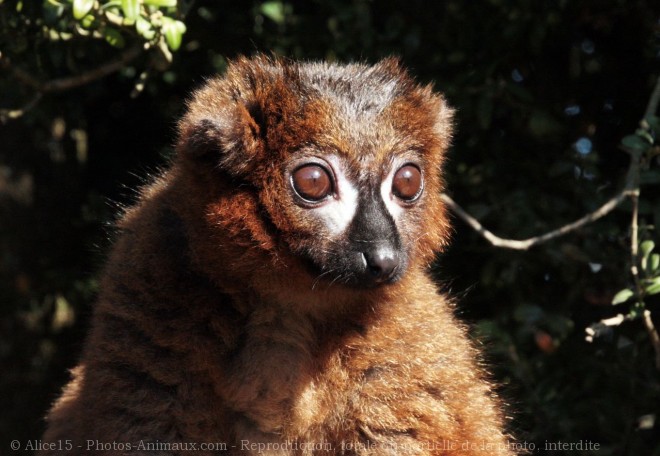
[
  {"x": 654, "y": 264},
  {"x": 645, "y": 249},
  {"x": 51, "y": 3},
  {"x": 622, "y": 296},
  {"x": 145, "y": 29},
  {"x": 131, "y": 9},
  {"x": 654, "y": 287},
  {"x": 81, "y": 8},
  {"x": 112, "y": 4},
  {"x": 273, "y": 11},
  {"x": 635, "y": 142},
  {"x": 637, "y": 310},
  {"x": 87, "y": 21},
  {"x": 113, "y": 37},
  {"x": 160, "y": 3},
  {"x": 52, "y": 11},
  {"x": 654, "y": 123},
  {"x": 644, "y": 134},
  {"x": 173, "y": 31}
]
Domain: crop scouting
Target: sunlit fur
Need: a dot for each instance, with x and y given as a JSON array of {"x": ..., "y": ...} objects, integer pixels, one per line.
[{"x": 227, "y": 311}]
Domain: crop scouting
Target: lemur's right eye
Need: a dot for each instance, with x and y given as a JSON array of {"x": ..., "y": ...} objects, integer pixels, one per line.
[{"x": 312, "y": 182}]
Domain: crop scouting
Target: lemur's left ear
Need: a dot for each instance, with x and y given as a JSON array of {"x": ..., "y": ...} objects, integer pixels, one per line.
[{"x": 444, "y": 124}]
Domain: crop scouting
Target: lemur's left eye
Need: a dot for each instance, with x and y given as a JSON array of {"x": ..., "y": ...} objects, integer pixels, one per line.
[
  {"x": 312, "y": 182},
  {"x": 407, "y": 183}
]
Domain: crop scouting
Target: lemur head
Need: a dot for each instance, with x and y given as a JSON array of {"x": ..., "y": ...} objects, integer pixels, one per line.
[{"x": 333, "y": 167}]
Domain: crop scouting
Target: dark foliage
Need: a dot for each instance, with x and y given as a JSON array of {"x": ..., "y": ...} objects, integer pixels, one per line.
[{"x": 545, "y": 91}]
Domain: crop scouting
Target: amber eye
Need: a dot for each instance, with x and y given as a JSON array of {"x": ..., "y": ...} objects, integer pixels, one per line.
[
  {"x": 407, "y": 183},
  {"x": 312, "y": 182}
]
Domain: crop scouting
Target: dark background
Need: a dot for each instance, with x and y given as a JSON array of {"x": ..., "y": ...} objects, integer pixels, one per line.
[{"x": 544, "y": 92}]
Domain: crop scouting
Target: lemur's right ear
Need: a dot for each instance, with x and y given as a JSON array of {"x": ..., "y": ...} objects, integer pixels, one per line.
[
  {"x": 229, "y": 118},
  {"x": 235, "y": 120},
  {"x": 222, "y": 129}
]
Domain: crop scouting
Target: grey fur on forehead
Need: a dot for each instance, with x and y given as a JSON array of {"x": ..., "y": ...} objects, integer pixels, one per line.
[
  {"x": 356, "y": 89},
  {"x": 365, "y": 87}
]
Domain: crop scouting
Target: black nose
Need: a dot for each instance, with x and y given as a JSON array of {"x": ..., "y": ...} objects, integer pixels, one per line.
[{"x": 381, "y": 264}]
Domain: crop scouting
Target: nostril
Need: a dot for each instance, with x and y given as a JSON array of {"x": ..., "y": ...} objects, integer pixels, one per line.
[
  {"x": 374, "y": 269},
  {"x": 381, "y": 264}
]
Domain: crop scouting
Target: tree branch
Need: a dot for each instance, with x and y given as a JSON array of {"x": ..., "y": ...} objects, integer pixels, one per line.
[
  {"x": 651, "y": 109},
  {"x": 654, "y": 100},
  {"x": 8, "y": 114},
  {"x": 61, "y": 84},
  {"x": 597, "y": 329},
  {"x": 67, "y": 83},
  {"x": 525, "y": 244},
  {"x": 631, "y": 189},
  {"x": 653, "y": 334}
]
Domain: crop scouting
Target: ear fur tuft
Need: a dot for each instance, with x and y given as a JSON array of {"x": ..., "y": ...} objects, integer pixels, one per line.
[{"x": 225, "y": 125}]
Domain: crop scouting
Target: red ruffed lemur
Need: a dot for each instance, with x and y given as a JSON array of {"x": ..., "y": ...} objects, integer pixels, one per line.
[{"x": 268, "y": 294}]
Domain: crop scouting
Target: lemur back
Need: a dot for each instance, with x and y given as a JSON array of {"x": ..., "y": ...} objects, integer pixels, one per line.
[{"x": 268, "y": 294}]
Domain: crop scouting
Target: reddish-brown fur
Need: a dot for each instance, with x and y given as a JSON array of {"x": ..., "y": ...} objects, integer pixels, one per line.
[{"x": 210, "y": 329}]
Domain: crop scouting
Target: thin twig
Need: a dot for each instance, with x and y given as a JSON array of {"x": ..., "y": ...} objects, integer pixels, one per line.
[
  {"x": 653, "y": 334},
  {"x": 21, "y": 76},
  {"x": 654, "y": 100},
  {"x": 61, "y": 84},
  {"x": 525, "y": 244},
  {"x": 634, "y": 242},
  {"x": 8, "y": 114},
  {"x": 597, "y": 329},
  {"x": 631, "y": 189},
  {"x": 651, "y": 109}
]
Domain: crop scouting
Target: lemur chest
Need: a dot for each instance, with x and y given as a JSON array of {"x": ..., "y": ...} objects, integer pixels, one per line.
[
  {"x": 287, "y": 375},
  {"x": 271, "y": 376},
  {"x": 293, "y": 406}
]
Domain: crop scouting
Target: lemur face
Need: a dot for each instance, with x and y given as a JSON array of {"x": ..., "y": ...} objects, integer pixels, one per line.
[
  {"x": 359, "y": 213},
  {"x": 337, "y": 167}
]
